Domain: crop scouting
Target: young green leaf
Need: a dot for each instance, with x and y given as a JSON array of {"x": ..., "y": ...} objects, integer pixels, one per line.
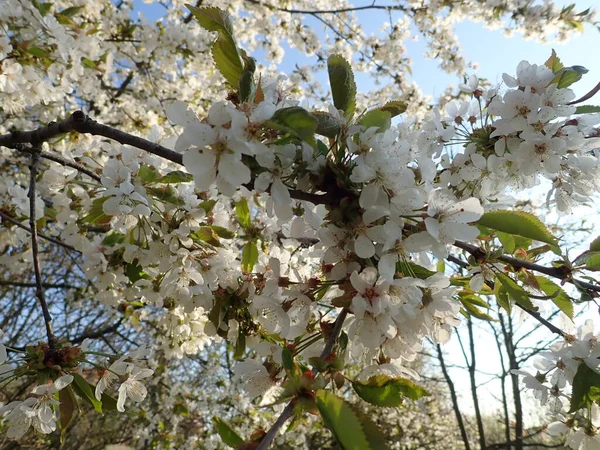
[
  {"x": 587, "y": 109},
  {"x": 96, "y": 215},
  {"x": 249, "y": 256},
  {"x": 343, "y": 87},
  {"x": 242, "y": 212},
  {"x": 86, "y": 391},
  {"x": 502, "y": 297},
  {"x": 148, "y": 174},
  {"x": 507, "y": 241},
  {"x": 395, "y": 107},
  {"x": 68, "y": 403},
  {"x": 343, "y": 422},
  {"x": 516, "y": 292},
  {"x": 225, "y": 52},
  {"x": 553, "y": 63},
  {"x": 569, "y": 75},
  {"x": 384, "y": 391},
  {"x": 327, "y": 124},
  {"x": 409, "y": 269},
  {"x": 176, "y": 177},
  {"x": 287, "y": 359},
  {"x": 296, "y": 121},
  {"x": 558, "y": 296},
  {"x": 586, "y": 388},
  {"x": 590, "y": 260},
  {"x": 376, "y": 118},
  {"x": 227, "y": 433},
  {"x": 520, "y": 223}
]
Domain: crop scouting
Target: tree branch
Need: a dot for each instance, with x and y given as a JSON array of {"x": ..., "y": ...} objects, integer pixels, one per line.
[
  {"x": 80, "y": 122},
  {"x": 39, "y": 292},
  {"x": 563, "y": 274}
]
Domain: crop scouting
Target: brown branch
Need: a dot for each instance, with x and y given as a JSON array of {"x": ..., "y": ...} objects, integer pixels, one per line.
[
  {"x": 80, "y": 122},
  {"x": 562, "y": 273},
  {"x": 39, "y": 292},
  {"x": 587, "y": 96}
]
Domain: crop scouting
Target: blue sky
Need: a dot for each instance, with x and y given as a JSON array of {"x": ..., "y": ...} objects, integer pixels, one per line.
[{"x": 490, "y": 48}]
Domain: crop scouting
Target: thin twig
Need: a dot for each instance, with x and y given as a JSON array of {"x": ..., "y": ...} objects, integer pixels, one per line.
[
  {"x": 39, "y": 292},
  {"x": 587, "y": 96}
]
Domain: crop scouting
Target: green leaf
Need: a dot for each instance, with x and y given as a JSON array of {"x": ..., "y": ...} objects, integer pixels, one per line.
[
  {"x": 88, "y": 63},
  {"x": 109, "y": 403},
  {"x": 70, "y": 12},
  {"x": 470, "y": 303},
  {"x": 208, "y": 235},
  {"x": 148, "y": 174},
  {"x": 553, "y": 63},
  {"x": 586, "y": 388},
  {"x": 516, "y": 292},
  {"x": 96, "y": 214},
  {"x": 135, "y": 272},
  {"x": 520, "y": 223},
  {"x": 507, "y": 241},
  {"x": 343, "y": 87},
  {"x": 590, "y": 259},
  {"x": 228, "y": 434},
  {"x": 68, "y": 403},
  {"x": 240, "y": 345},
  {"x": 327, "y": 124},
  {"x": 86, "y": 391},
  {"x": 376, "y": 118},
  {"x": 225, "y": 52},
  {"x": 569, "y": 75},
  {"x": 249, "y": 256},
  {"x": 595, "y": 245},
  {"x": 384, "y": 391},
  {"x": 502, "y": 297},
  {"x": 43, "y": 8},
  {"x": 409, "y": 269},
  {"x": 165, "y": 194},
  {"x": 287, "y": 359},
  {"x": 395, "y": 107},
  {"x": 37, "y": 51},
  {"x": 176, "y": 177},
  {"x": 113, "y": 238},
  {"x": 296, "y": 121},
  {"x": 587, "y": 109},
  {"x": 343, "y": 422},
  {"x": 246, "y": 85},
  {"x": 243, "y": 213},
  {"x": 223, "y": 232},
  {"x": 559, "y": 296}
]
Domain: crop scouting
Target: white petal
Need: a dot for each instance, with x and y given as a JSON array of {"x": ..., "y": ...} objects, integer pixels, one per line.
[{"x": 363, "y": 247}]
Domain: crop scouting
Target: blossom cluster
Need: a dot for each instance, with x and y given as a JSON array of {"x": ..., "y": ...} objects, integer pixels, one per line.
[
  {"x": 569, "y": 365},
  {"x": 265, "y": 231}
]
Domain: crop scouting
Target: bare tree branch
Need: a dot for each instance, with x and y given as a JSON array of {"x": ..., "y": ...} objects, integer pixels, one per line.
[{"x": 39, "y": 292}]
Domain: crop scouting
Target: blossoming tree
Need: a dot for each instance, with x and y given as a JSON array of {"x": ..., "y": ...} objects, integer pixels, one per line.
[{"x": 309, "y": 239}]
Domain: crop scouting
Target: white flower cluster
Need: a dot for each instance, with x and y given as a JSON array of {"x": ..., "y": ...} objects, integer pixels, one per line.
[
  {"x": 512, "y": 140},
  {"x": 570, "y": 365}
]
